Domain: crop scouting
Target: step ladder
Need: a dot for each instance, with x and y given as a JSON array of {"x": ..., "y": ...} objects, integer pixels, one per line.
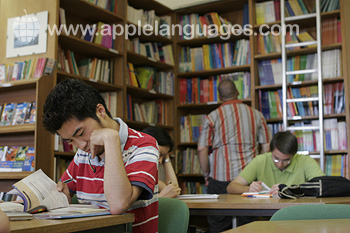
[{"x": 285, "y": 73}]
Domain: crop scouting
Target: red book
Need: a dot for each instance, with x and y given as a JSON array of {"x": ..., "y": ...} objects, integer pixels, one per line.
[
  {"x": 277, "y": 6},
  {"x": 202, "y": 91},
  {"x": 339, "y": 40},
  {"x": 211, "y": 90}
]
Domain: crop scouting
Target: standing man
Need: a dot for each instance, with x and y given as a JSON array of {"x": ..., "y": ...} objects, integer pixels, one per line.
[
  {"x": 234, "y": 131},
  {"x": 115, "y": 166}
]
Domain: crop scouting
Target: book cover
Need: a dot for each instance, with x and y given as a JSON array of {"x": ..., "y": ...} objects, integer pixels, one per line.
[
  {"x": 50, "y": 66},
  {"x": 31, "y": 118},
  {"x": 29, "y": 160},
  {"x": 11, "y": 153},
  {"x": 21, "y": 153},
  {"x": 20, "y": 113},
  {"x": 3, "y": 151},
  {"x": 7, "y": 114}
]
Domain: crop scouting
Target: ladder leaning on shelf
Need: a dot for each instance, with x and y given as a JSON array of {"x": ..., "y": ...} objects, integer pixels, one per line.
[{"x": 285, "y": 73}]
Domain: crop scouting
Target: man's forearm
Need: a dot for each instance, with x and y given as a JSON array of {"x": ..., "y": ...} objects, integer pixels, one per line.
[
  {"x": 204, "y": 159},
  {"x": 170, "y": 174},
  {"x": 117, "y": 187},
  {"x": 237, "y": 188}
]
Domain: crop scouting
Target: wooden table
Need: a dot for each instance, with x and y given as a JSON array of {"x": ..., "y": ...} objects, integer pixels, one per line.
[
  {"x": 292, "y": 226},
  {"x": 107, "y": 223},
  {"x": 235, "y": 205}
]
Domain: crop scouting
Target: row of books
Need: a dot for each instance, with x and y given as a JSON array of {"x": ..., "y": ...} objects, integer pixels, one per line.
[
  {"x": 101, "y": 34},
  {"x": 149, "y": 78},
  {"x": 92, "y": 68},
  {"x": 17, "y": 158},
  {"x": 110, "y": 5},
  {"x": 152, "y": 112},
  {"x": 62, "y": 145},
  {"x": 270, "y": 11},
  {"x": 153, "y": 50},
  {"x": 188, "y": 161},
  {"x": 190, "y": 127},
  {"x": 336, "y": 165},
  {"x": 334, "y": 135},
  {"x": 204, "y": 90},
  {"x": 16, "y": 114},
  {"x": 270, "y": 71},
  {"x": 270, "y": 102},
  {"x": 214, "y": 56},
  {"x": 206, "y": 25},
  {"x": 61, "y": 164},
  {"x": 190, "y": 187},
  {"x": 159, "y": 23},
  {"x": 271, "y": 43},
  {"x": 267, "y": 12},
  {"x": 32, "y": 68},
  {"x": 111, "y": 101}
]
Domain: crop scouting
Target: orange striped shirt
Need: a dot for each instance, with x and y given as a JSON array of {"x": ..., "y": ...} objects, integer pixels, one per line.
[{"x": 234, "y": 131}]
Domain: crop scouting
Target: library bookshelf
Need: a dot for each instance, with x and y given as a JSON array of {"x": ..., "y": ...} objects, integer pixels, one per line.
[
  {"x": 234, "y": 12},
  {"x": 119, "y": 55}
]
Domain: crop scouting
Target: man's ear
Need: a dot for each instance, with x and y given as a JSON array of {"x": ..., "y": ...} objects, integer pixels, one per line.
[{"x": 100, "y": 111}]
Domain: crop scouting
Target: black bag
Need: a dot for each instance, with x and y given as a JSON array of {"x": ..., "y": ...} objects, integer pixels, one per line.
[{"x": 322, "y": 186}]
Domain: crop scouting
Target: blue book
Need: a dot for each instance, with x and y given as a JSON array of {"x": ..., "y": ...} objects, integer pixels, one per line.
[
  {"x": 296, "y": 94},
  {"x": 264, "y": 107},
  {"x": 289, "y": 9},
  {"x": 267, "y": 69}
]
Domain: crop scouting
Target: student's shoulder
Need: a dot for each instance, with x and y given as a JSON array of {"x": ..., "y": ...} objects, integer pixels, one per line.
[{"x": 137, "y": 138}]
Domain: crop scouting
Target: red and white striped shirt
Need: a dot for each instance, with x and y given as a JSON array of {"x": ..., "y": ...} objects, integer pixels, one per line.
[
  {"x": 140, "y": 156},
  {"x": 234, "y": 131}
]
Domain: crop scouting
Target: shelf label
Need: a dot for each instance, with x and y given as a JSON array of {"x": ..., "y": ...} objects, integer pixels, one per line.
[
  {"x": 152, "y": 91},
  {"x": 113, "y": 51},
  {"x": 92, "y": 80},
  {"x": 212, "y": 102},
  {"x": 6, "y": 84},
  {"x": 296, "y": 83},
  {"x": 152, "y": 59},
  {"x": 152, "y": 124}
]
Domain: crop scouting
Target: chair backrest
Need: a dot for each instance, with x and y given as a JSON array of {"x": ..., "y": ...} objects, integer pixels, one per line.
[
  {"x": 173, "y": 215},
  {"x": 317, "y": 211}
]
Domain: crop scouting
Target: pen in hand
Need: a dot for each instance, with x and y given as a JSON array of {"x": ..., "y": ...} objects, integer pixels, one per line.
[{"x": 265, "y": 186}]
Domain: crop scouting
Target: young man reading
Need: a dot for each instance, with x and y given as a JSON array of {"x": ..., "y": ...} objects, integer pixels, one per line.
[
  {"x": 115, "y": 166},
  {"x": 281, "y": 165}
]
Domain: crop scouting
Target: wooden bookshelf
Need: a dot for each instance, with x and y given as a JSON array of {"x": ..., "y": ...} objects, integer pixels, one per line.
[
  {"x": 140, "y": 95},
  {"x": 83, "y": 12}
]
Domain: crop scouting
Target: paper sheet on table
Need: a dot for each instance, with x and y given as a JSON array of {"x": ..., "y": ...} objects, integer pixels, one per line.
[{"x": 197, "y": 196}]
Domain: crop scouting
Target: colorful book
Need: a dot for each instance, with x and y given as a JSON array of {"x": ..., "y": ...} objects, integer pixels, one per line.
[{"x": 8, "y": 113}]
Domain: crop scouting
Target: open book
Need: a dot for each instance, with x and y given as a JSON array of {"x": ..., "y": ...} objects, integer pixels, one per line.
[{"x": 38, "y": 191}]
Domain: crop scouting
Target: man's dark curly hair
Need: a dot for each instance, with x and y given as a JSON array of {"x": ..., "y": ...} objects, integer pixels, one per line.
[{"x": 71, "y": 98}]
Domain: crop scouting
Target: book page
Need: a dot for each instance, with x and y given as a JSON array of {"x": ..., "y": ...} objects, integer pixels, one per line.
[{"x": 38, "y": 189}]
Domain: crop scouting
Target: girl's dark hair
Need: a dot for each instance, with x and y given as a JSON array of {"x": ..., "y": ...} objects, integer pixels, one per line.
[
  {"x": 71, "y": 98},
  {"x": 160, "y": 135},
  {"x": 285, "y": 142}
]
